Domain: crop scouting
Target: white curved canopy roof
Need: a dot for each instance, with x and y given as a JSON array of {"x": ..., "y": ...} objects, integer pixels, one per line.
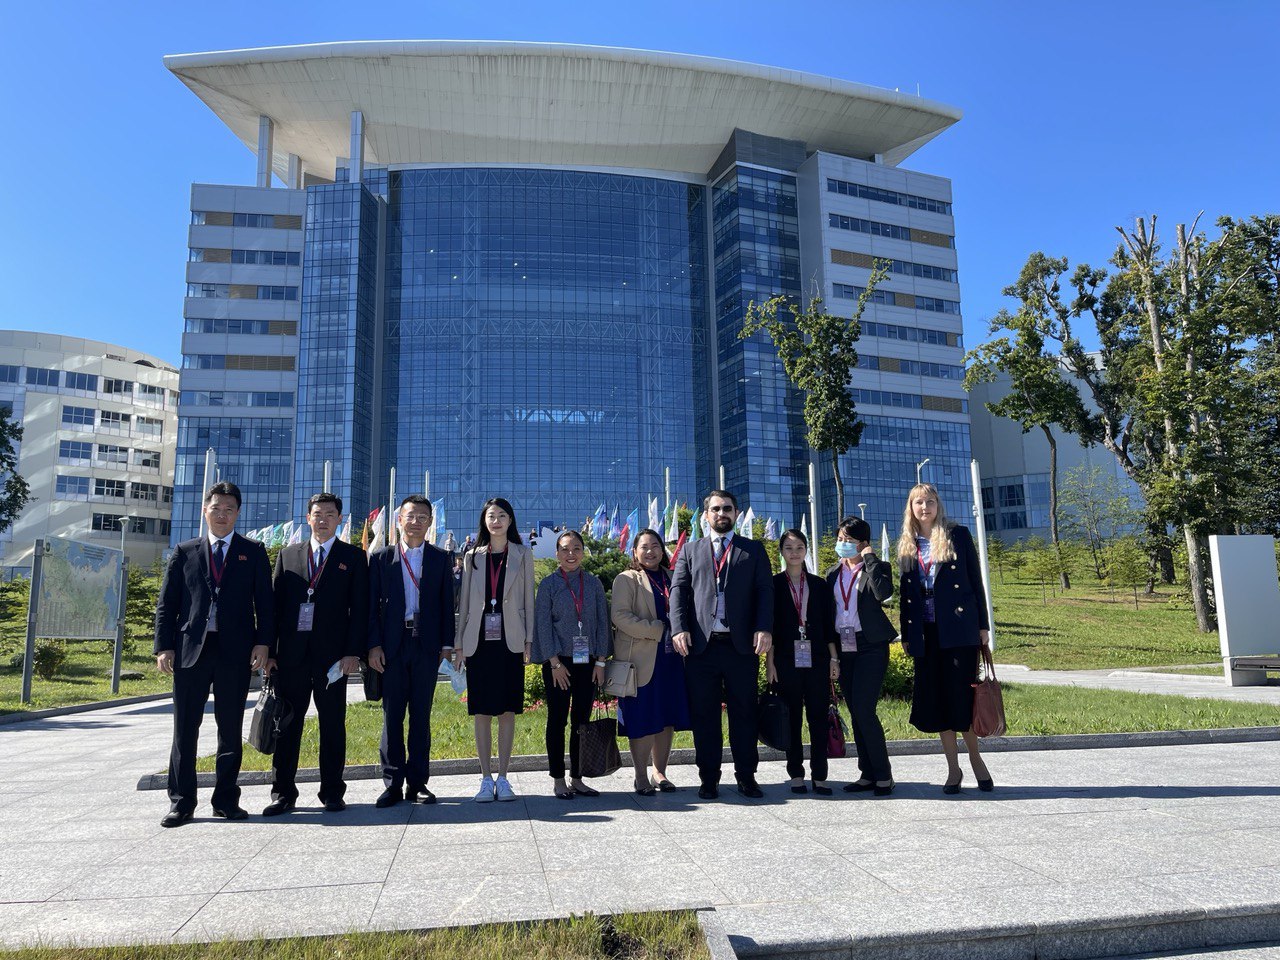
[{"x": 452, "y": 101}]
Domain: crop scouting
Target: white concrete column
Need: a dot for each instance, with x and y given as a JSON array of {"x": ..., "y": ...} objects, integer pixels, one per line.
[
  {"x": 266, "y": 149},
  {"x": 356, "y": 159},
  {"x": 296, "y": 172}
]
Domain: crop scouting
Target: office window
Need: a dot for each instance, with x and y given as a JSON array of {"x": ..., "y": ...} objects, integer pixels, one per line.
[
  {"x": 113, "y": 385},
  {"x": 211, "y": 291},
  {"x": 147, "y": 391},
  {"x": 149, "y": 492},
  {"x": 107, "y": 522},
  {"x": 273, "y": 258},
  {"x": 77, "y": 416},
  {"x": 146, "y": 458},
  {"x": 162, "y": 527},
  {"x": 87, "y": 382},
  {"x": 9, "y": 373},
  {"x": 109, "y": 453},
  {"x": 166, "y": 496},
  {"x": 116, "y": 422},
  {"x": 70, "y": 487},
  {"x": 108, "y": 488},
  {"x": 39, "y": 377},
  {"x": 277, "y": 293},
  {"x": 148, "y": 426},
  {"x": 74, "y": 451}
]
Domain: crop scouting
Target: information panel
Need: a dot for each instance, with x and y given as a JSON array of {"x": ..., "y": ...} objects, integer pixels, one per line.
[{"x": 79, "y": 591}]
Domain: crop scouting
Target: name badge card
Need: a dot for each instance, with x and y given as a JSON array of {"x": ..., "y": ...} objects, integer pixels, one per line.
[
  {"x": 848, "y": 639},
  {"x": 306, "y": 616},
  {"x": 581, "y": 647},
  {"x": 930, "y": 610},
  {"x": 804, "y": 651},
  {"x": 720, "y": 606},
  {"x": 493, "y": 626},
  {"x": 212, "y": 625}
]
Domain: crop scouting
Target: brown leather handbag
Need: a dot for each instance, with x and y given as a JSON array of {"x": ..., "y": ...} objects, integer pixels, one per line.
[{"x": 988, "y": 703}]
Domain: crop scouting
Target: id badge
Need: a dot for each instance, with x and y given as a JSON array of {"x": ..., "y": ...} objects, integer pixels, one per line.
[
  {"x": 667, "y": 646},
  {"x": 581, "y": 647},
  {"x": 720, "y": 606},
  {"x": 493, "y": 626},
  {"x": 804, "y": 653},
  {"x": 212, "y": 624},
  {"x": 306, "y": 616},
  {"x": 930, "y": 610},
  {"x": 848, "y": 639}
]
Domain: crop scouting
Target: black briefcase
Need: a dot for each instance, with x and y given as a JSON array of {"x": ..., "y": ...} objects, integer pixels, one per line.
[
  {"x": 372, "y": 680},
  {"x": 773, "y": 721},
  {"x": 269, "y": 717}
]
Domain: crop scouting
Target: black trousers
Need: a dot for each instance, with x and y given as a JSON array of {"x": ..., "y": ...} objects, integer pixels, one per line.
[
  {"x": 861, "y": 677},
  {"x": 720, "y": 674},
  {"x": 573, "y": 705},
  {"x": 408, "y": 686},
  {"x": 228, "y": 678},
  {"x": 807, "y": 693},
  {"x": 298, "y": 686}
]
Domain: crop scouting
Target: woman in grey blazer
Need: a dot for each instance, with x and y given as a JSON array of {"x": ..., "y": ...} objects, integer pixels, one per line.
[{"x": 495, "y": 620}]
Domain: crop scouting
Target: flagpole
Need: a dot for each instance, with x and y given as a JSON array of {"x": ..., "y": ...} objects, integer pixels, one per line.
[
  {"x": 328, "y": 476},
  {"x": 426, "y": 484},
  {"x": 391, "y": 509},
  {"x": 666, "y": 482},
  {"x": 813, "y": 512}
]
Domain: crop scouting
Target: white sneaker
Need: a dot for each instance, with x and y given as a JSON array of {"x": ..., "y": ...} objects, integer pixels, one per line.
[
  {"x": 503, "y": 789},
  {"x": 485, "y": 793}
]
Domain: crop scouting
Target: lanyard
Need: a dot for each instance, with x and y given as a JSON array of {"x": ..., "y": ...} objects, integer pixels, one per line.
[
  {"x": 661, "y": 584},
  {"x": 314, "y": 570},
  {"x": 404, "y": 561},
  {"x": 721, "y": 563},
  {"x": 926, "y": 567},
  {"x": 846, "y": 594},
  {"x": 580, "y": 597},
  {"x": 495, "y": 574},
  {"x": 797, "y": 597},
  {"x": 216, "y": 570}
]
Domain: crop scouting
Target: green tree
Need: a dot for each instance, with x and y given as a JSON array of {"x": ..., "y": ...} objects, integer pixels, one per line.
[
  {"x": 1127, "y": 565},
  {"x": 997, "y": 554},
  {"x": 14, "y": 490},
  {"x": 1096, "y": 510},
  {"x": 1041, "y": 563},
  {"x": 818, "y": 351}
]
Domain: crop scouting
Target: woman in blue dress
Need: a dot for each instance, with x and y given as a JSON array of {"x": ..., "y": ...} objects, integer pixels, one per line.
[{"x": 641, "y": 615}]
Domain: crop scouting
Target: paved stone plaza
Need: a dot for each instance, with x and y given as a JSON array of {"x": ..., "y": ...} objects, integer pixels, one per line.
[{"x": 1078, "y": 853}]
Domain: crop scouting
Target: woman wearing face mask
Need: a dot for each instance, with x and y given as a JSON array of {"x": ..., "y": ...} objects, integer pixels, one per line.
[
  {"x": 860, "y": 583},
  {"x": 802, "y": 660},
  {"x": 571, "y": 641},
  {"x": 642, "y": 617},
  {"x": 944, "y": 624},
  {"x": 495, "y": 627}
]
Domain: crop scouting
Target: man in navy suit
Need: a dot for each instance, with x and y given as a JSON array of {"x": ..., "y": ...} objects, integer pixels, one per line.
[
  {"x": 214, "y": 623},
  {"x": 322, "y": 608},
  {"x": 411, "y": 630},
  {"x": 721, "y": 623}
]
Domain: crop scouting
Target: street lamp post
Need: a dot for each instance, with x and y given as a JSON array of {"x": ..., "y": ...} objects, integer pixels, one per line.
[
  {"x": 118, "y": 653},
  {"x": 862, "y": 510},
  {"x": 919, "y": 467}
]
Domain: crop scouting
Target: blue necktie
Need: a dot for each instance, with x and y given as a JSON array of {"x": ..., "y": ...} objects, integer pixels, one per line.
[{"x": 217, "y": 557}]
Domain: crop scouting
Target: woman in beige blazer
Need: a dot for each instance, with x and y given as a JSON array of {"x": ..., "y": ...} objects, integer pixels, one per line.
[
  {"x": 495, "y": 631},
  {"x": 641, "y": 616}
]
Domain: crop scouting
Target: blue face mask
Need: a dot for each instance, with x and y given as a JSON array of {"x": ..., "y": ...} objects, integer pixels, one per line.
[{"x": 845, "y": 549}]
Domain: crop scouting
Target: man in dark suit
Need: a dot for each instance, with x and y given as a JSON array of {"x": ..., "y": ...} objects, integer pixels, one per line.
[
  {"x": 214, "y": 623},
  {"x": 721, "y": 623},
  {"x": 411, "y": 630},
  {"x": 322, "y": 612}
]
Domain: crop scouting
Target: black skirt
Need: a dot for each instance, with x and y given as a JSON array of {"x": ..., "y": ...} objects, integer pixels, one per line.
[
  {"x": 942, "y": 695},
  {"x": 495, "y": 679}
]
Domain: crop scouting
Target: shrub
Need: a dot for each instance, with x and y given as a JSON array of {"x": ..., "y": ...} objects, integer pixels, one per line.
[
  {"x": 534, "y": 689},
  {"x": 50, "y": 658},
  {"x": 900, "y": 676}
]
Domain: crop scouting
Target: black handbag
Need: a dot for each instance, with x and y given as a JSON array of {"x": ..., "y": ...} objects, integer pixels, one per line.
[
  {"x": 773, "y": 721},
  {"x": 598, "y": 746},
  {"x": 372, "y": 680},
  {"x": 270, "y": 716}
]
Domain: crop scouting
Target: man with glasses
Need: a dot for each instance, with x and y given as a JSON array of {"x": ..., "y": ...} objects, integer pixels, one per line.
[
  {"x": 322, "y": 611},
  {"x": 721, "y": 623},
  {"x": 411, "y": 630},
  {"x": 215, "y": 621}
]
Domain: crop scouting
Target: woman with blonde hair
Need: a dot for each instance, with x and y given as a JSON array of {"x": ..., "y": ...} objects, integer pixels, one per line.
[{"x": 944, "y": 623}]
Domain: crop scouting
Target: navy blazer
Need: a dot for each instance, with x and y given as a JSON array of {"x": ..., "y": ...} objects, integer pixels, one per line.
[
  {"x": 960, "y": 603},
  {"x": 748, "y": 600},
  {"x": 342, "y": 606},
  {"x": 246, "y": 609},
  {"x": 386, "y": 601},
  {"x": 875, "y": 587},
  {"x": 820, "y": 625}
]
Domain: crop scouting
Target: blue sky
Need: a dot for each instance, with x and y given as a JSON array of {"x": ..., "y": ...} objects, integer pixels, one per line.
[{"x": 1079, "y": 117}]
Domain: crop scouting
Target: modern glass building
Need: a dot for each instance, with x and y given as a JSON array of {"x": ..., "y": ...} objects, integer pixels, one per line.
[{"x": 522, "y": 269}]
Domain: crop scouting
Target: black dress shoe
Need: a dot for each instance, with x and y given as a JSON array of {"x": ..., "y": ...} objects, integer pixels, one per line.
[
  {"x": 665, "y": 786},
  {"x": 336, "y": 805},
  {"x": 278, "y": 806},
  {"x": 749, "y": 788},
  {"x": 175, "y": 818},
  {"x": 987, "y": 785},
  {"x": 886, "y": 789},
  {"x": 953, "y": 788},
  {"x": 389, "y": 798},
  {"x": 799, "y": 788},
  {"x": 232, "y": 813},
  {"x": 821, "y": 791},
  {"x": 420, "y": 794},
  {"x": 859, "y": 786},
  {"x": 708, "y": 791}
]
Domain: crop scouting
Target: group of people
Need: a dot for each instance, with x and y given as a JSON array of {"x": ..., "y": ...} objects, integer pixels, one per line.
[{"x": 692, "y": 636}]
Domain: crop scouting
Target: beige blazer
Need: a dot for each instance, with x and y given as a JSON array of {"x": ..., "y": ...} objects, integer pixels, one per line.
[
  {"x": 517, "y": 598},
  {"x": 635, "y": 618}
]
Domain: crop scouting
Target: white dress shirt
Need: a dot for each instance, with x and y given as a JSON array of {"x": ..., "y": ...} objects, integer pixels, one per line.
[{"x": 411, "y": 560}]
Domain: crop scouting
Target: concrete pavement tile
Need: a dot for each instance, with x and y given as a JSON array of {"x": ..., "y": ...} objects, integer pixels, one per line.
[
  {"x": 308, "y": 911},
  {"x": 345, "y": 866},
  {"x": 721, "y": 845},
  {"x": 33, "y": 881},
  {"x": 470, "y": 860},
  {"x": 141, "y": 879},
  {"x": 216, "y": 840},
  {"x": 572, "y": 823},
  {"x": 1135, "y": 938},
  {"x": 287, "y": 836},
  {"x": 1227, "y": 891},
  {"x": 663, "y": 887},
  {"x": 885, "y": 837},
  {"x": 771, "y": 928},
  {"x": 1209, "y": 851},
  {"x": 16, "y": 855},
  {"x": 962, "y": 868},
  {"x": 575, "y": 853},
  {"x": 786, "y": 879},
  {"x": 1084, "y": 858},
  {"x": 425, "y": 829},
  {"x": 463, "y": 900},
  {"x": 86, "y": 922}
]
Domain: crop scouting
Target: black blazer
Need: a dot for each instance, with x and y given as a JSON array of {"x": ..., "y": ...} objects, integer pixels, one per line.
[
  {"x": 875, "y": 587},
  {"x": 820, "y": 626},
  {"x": 960, "y": 603},
  {"x": 246, "y": 610},
  {"x": 386, "y": 600},
  {"x": 748, "y": 599},
  {"x": 342, "y": 607}
]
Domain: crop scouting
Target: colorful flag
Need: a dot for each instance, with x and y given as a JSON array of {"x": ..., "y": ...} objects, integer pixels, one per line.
[
  {"x": 600, "y": 523},
  {"x": 672, "y": 530},
  {"x": 438, "y": 531},
  {"x": 655, "y": 522},
  {"x": 811, "y": 556},
  {"x": 771, "y": 531},
  {"x": 676, "y": 552},
  {"x": 629, "y": 530},
  {"x": 378, "y": 538},
  {"x": 884, "y": 542},
  {"x": 695, "y": 525},
  {"x": 296, "y": 535},
  {"x": 745, "y": 523},
  {"x": 368, "y": 528},
  {"x": 615, "y": 531}
]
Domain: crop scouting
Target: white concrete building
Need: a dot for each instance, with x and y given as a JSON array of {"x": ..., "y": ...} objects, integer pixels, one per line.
[{"x": 99, "y": 433}]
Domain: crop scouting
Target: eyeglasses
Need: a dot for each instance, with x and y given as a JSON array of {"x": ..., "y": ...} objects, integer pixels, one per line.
[
  {"x": 729, "y": 509},
  {"x": 416, "y": 517}
]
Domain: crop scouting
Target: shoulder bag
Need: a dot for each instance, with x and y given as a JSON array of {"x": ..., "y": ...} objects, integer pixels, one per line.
[{"x": 988, "y": 703}]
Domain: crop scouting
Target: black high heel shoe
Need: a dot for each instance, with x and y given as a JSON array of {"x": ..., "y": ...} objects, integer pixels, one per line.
[
  {"x": 953, "y": 788},
  {"x": 987, "y": 785}
]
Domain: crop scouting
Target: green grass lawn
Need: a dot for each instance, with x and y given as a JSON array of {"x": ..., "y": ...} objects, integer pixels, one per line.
[
  {"x": 644, "y": 936},
  {"x": 86, "y": 678},
  {"x": 1032, "y": 710}
]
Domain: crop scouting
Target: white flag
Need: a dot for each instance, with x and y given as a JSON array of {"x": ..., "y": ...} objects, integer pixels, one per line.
[{"x": 655, "y": 522}]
